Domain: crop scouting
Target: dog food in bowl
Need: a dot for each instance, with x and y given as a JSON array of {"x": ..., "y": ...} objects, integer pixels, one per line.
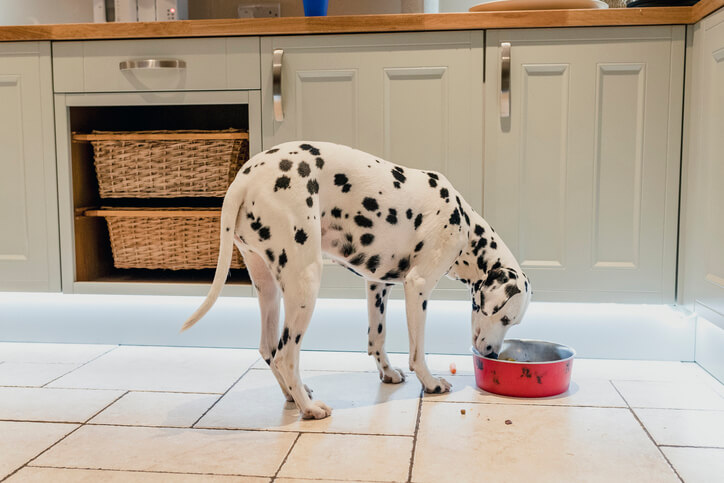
[{"x": 525, "y": 368}]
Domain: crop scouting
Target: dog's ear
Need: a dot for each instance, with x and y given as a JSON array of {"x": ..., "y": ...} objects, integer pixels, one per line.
[{"x": 499, "y": 287}]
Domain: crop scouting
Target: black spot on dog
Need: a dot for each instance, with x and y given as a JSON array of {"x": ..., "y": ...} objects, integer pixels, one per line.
[
  {"x": 397, "y": 173},
  {"x": 511, "y": 290},
  {"x": 247, "y": 170},
  {"x": 408, "y": 213},
  {"x": 418, "y": 247},
  {"x": 308, "y": 147},
  {"x": 282, "y": 183},
  {"x": 270, "y": 254},
  {"x": 370, "y": 204},
  {"x": 372, "y": 263},
  {"x": 340, "y": 179},
  {"x": 432, "y": 183},
  {"x": 373, "y": 287},
  {"x": 348, "y": 249},
  {"x": 296, "y": 340},
  {"x": 391, "y": 216},
  {"x": 437, "y": 390},
  {"x": 346, "y": 188},
  {"x": 424, "y": 305},
  {"x": 303, "y": 169},
  {"x": 418, "y": 220},
  {"x": 496, "y": 265},
  {"x": 493, "y": 245},
  {"x": 312, "y": 186},
  {"x": 444, "y": 194},
  {"x": 264, "y": 233},
  {"x": 505, "y": 320},
  {"x": 403, "y": 264},
  {"x": 319, "y": 162},
  {"x": 363, "y": 221},
  {"x": 358, "y": 260},
  {"x": 255, "y": 225},
  {"x": 300, "y": 236},
  {"x": 482, "y": 264},
  {"x": 391, "y": 275},
  {"x": 479, "y": 230},
  {"x": 455, "y": 217},
  {"x": 336, "y": 212},
  {"x": 379, "y": 329},
  {"x": 285, "y": 165},
  {"x": 310, "y": 201},
  {"x": 433, "y": 176},
  {"x": 367, "y": 239},
  {"x": 285, "y": 337},
  {"x": 272, "y": 151}
]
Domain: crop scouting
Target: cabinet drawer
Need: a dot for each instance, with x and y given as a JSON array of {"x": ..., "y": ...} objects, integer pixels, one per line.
[{"x": 209, "y": 64}]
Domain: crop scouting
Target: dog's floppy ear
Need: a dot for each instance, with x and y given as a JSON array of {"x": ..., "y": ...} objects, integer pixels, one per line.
[{"x": 499, "y": 286}]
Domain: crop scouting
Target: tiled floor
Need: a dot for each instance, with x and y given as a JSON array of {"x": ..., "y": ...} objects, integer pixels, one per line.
[{"x": 77, "y": 413}]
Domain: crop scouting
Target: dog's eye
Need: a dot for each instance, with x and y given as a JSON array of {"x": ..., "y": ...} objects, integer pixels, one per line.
[{"x": 505, "y": 320}]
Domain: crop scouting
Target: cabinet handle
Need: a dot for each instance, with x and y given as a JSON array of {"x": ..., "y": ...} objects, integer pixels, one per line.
[
  {"x": 505, "y": 80},
  {"x": 277, "y": 84},
  {"x": 152, "y": 64}
]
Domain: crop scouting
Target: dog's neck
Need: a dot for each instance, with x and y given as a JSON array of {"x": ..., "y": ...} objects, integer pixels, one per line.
[{"x": 484, "y": 251}]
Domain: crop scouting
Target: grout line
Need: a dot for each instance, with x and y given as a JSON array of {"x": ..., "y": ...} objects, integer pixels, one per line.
[
  {"x": 225, "y": 392},
  {"x": 66, "y": 436},
  {"x": 689, "y": 446},
  {"x": 165, "y": 472},
  {"x": 414, "y": 437},
  {"x": 633, "y": 413},
  {"x": 76, "y": 368},
  {"x": 294, "y": 443}
]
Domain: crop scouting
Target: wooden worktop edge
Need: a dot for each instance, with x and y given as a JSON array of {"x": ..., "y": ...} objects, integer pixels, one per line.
[{"x": 365, "y": 23}]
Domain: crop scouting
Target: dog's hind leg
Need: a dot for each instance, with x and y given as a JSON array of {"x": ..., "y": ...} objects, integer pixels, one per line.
[
  {"x": 269, "y": 297},
  {"x": 417, "y": 292},
  {"x": 377, "y": 294},
  {"x": 300, "y": 284}
]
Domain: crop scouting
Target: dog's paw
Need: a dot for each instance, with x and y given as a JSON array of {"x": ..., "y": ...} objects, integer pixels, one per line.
[
  {"x": 291, "y": 399},
  {"x": 316, "y": 410},
  {"x": 392, "y": 375},
  {"x": 440, "y": 385}
]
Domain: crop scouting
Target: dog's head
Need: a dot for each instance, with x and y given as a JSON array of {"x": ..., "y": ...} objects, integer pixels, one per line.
[{"x": 499, "y": 302}]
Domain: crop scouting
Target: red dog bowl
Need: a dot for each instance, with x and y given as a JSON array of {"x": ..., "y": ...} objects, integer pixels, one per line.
[{"x": 525, "y": 368}]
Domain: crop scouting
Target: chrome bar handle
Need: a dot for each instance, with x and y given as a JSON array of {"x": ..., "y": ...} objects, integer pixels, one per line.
[
  {"x": 277, "y": 84},
  {"x": 505, "y": 80},
  {"x": 152, "y": 64}
]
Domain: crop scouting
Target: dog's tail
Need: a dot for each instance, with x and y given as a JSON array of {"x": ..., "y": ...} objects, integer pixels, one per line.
[{"x": 229, "y": 213}]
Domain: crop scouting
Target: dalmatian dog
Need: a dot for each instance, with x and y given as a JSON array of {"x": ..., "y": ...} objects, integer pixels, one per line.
[{"x": 387, "y": 223}]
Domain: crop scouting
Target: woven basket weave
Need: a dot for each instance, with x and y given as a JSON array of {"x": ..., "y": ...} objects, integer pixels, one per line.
[
  {"x": 164, "y": 167},
  {"x": 169, "y": 238}
]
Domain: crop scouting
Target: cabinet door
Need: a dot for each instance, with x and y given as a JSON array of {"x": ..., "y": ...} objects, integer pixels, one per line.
[
  {"x": 414, "y": 99},
  {"x": 581, "y": 180},
  {"x": 29, "y": 253},
  {"x": 702, "y": 234}
]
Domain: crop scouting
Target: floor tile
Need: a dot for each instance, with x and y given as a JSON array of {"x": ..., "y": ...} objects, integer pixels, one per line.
[
  {"x": 581, "y": 392},
  {"x": 628, "y": 370},
  {"x": 306, "y": 480},
  {"x": 53, "y": 405},
  {"x": 540, "y": 444},
  {"x": 21, "y": 442},
  {"x": 360, "y": 403},
  {"x": 669, "y": 395},
  {"x": 697, "y": 465},
  {"x": 170, "y": 369},
  {"x": 32, "y": 374},
  {"x": 439, "y": 364},
  {"x": 51, "y": 353},
  {"x": 156, "y": 409},
  {"x": 680, "y": 427},
  {"x": 340, "y": 361},
  {"x": 349, "y": 457},
  {"x": 249, "y": 453},
  {"x": 65, "y": 475}
]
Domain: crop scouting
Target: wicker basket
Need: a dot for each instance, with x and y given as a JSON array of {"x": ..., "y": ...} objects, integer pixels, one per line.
[
  {"x": 166, "y": 164},
  {"x": 168, "y": 238}
]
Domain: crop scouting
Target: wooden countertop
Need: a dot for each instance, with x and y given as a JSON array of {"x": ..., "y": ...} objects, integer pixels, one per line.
[{"x": 365, "y": 23}]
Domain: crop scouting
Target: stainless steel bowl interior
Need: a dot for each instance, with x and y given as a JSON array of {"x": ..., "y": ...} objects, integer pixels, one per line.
[{"x": 532, "y": 351}]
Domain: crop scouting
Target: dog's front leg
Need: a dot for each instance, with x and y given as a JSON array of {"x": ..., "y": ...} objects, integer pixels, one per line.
[
  {"x": 377, "y": 294},
  {"x": 417, "y": 292}
]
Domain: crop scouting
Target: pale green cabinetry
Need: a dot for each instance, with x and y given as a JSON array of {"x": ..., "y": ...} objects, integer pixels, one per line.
[
  {"x": 413, "y": 98},
  {"x": 582, "y": 160},
  {"x": 29, "y": 253}
]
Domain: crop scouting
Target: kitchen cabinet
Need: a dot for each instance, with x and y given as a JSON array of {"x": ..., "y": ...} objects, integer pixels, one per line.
[
  {"x": 29, "y": 253},
  {"x": 702, "y": 234},
  {"x": 411, "y": 98},
  {"x": 582, "y": 159}
]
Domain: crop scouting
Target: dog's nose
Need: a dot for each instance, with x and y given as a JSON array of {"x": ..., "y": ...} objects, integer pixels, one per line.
[{"x": 492, "y": 355}]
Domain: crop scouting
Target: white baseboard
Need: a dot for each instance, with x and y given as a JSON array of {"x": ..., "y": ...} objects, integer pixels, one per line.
[{"x": 608, "y": 331}]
